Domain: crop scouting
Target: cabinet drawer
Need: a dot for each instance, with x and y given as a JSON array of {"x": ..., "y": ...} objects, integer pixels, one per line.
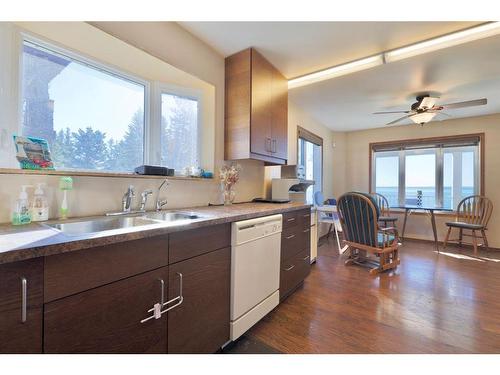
[
  {"x": 300, "y": 218},
  {"x": 290, "y": 219},
  {"x": 108, "y": 319},
  {"x": 294, "y": 240},
  {"x": 304, "y": 218},
  {"x": 71, "y": 273},
  {"x": 190, "y": 243},
  {"x": 293, "y": 272}
]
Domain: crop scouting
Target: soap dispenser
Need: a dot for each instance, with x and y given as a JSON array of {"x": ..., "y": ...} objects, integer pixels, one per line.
[
  {"x": 40, "y": 205},
  {"x": 21, "y": 211}
]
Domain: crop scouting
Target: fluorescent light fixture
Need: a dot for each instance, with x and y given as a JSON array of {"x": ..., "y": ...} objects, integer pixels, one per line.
[
  {"x": 445, "y": 41},
  {"x": 336, "y": 71},
  {"x": 422, "y": 118},
  {"x": 468, "y": 35}
]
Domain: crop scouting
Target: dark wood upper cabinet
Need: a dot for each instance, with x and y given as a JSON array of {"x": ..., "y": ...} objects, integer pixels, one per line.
[
  {"x": 107, "y": 319},
  {"x": 21, "y": 306},
  {"x": 256, "y": 109},
  {"x": 201, "y": 323}
]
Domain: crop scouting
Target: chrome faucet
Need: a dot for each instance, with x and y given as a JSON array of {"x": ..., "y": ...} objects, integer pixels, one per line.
[
  {"x": 160, "y": 203},
  {"x": 127, "y": 199},
  {"x": 144, "y": 199}
]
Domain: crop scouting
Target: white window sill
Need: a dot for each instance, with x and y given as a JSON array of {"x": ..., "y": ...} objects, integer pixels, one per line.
[{"x": 95, "y": 174}]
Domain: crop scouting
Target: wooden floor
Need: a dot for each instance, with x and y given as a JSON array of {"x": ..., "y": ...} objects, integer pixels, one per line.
[{"x": 446, "y": 303}]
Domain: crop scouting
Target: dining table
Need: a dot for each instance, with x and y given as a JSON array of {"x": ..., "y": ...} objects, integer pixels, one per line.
[{"x": 429, "y": 209}]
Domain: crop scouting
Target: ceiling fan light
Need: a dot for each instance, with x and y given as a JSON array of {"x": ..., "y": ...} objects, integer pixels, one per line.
[
  {"x": 422, "y": 118},
  {"x": 445, "y": 41}
]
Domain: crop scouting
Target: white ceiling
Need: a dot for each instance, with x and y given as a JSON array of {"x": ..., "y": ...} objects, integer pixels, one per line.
[{"x": 465, "y": 72}]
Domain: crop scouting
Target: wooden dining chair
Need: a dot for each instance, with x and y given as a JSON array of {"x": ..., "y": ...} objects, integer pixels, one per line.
[
  {"x": 385, "y": 211},
  {"x": 359, "y": 217},
  {"x": 473, "y": 214}
]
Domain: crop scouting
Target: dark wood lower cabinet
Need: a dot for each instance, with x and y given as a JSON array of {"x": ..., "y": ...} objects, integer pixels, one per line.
[
  {"x": 107, "y": 319},
  {"x": 295, "y": 250},
  {"x": 101, "y": 308},
  {"x": 201, "y": 323},
  {"x": 293, "y": 272},
  {"x": 21, "y": 332}
]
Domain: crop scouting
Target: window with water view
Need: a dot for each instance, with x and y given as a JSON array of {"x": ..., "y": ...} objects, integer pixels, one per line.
[{"x": 437, "y": 176}]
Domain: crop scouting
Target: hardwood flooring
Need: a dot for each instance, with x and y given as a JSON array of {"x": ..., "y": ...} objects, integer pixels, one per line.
[{"x": 432, "y": 303}]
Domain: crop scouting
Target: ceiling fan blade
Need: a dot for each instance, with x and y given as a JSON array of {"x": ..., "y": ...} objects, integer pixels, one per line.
[
  {"x": 440, "y": 113},
  {"x": 400, "y": 119},
  {"x": 428, "y": 102},
  {"x": 383, "y": 113},
  {"x": 470, "y": 103}
]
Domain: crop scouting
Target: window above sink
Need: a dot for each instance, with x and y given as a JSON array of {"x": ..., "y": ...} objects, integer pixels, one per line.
[{"x": 103, "y": 113}]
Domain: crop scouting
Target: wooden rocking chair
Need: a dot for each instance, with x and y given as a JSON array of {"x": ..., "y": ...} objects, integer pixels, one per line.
[
  {"x": 473, "y": 214},
  {"x": 359, "y": 217},
  {"x": 385, "y": 212}
]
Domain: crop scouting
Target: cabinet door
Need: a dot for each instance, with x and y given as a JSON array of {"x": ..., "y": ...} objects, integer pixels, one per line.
[
  {"x": 261, "y": 114},
  {"x": 201, "y": 323},
  {"x": 107, "y": 319},
  {"x": 21, "y": 299},
  {"x": 279, "y": 115}
]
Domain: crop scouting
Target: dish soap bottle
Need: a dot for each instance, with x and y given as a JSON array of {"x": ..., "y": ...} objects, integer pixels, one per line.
[
  {"x": 21, "y": 211},
  {"x": 40, "y": 206}
]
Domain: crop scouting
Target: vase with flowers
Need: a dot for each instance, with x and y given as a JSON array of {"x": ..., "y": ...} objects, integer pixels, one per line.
[{"x": 229, "y": 176}]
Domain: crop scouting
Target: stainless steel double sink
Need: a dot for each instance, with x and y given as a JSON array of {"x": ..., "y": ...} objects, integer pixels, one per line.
[{"x": 97, "y": 225}]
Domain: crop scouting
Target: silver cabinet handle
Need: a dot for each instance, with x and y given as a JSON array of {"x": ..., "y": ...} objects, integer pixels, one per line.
[
  {"x": 274, "y": 146},
  {"x": 290, "y": 219},
  {"x": 162, "y": 292},
  {"x": 268, "y": 145},
  {"x": 307, "y": 215},
  {"x": 290, "y": 236},
  {"x": 306, "y": 258},
  {"x": 290, "y": 268},
  {"x": 307, "y": 230},
  {"x": 24, "y": 302},
  {"x": 179, "y": 299}
]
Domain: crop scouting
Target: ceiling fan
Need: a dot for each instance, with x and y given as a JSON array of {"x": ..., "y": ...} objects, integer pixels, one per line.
[{"x": 425, "y": 109}]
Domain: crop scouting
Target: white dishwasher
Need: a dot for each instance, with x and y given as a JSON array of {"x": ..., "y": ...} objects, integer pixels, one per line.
[{"x": 255, "y": 270}]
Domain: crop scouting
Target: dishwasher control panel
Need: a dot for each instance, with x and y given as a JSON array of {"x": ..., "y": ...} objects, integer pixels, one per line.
[{"x": 253, "y": 229}]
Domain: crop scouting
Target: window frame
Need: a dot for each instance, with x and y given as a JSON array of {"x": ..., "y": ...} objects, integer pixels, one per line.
[
  {"x": 92, "y": 64},
  {"x": 160, "y": 88},
  {"x": 431, "y": 142},
  {"x": 315, "y": 139},
  {"x": 153, "y": 91}
]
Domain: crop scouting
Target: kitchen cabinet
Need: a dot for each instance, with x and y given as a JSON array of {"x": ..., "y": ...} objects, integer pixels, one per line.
[
  {"x": 21, "y": 305},
  {"x": 256, "y": 109},
  {"x": 95, "y": 300},
  {"x": 201, "y": 323},
  {"x": 295, "y": 251},
  {"x": 108, "y": 319},
  {"x": 71, "y": 273},
  {"x": 293, "y": 272}
]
